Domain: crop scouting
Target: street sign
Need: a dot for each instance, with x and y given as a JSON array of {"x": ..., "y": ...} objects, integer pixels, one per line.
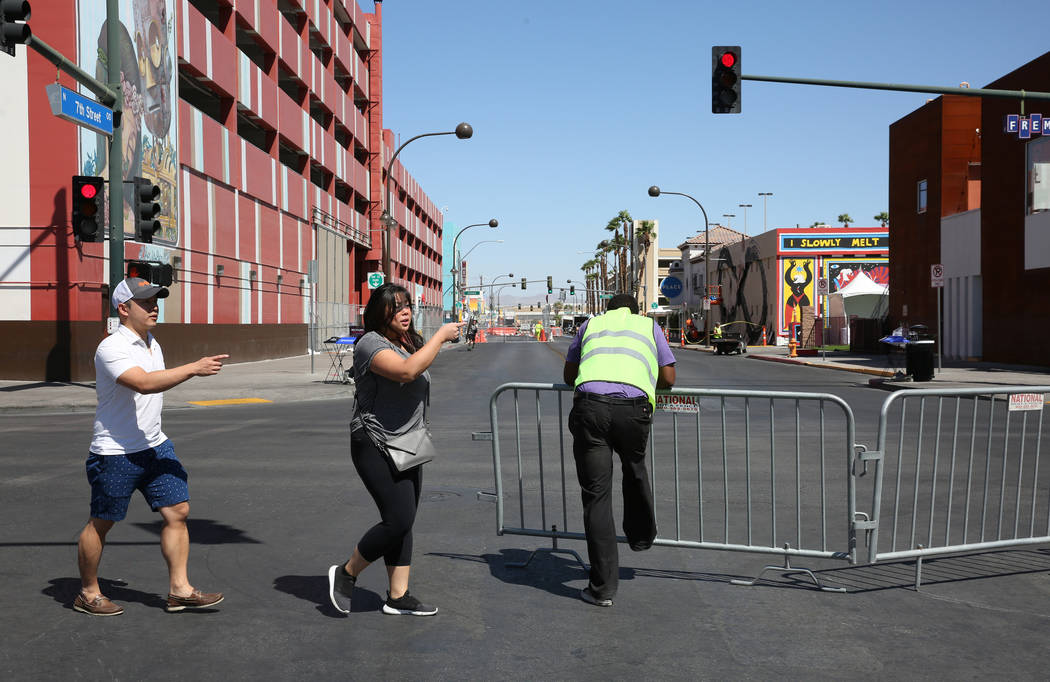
[
  {"x": 84, "y": 111},
  {"x": 936, "y": 276},
  {"x": 375, "y": 280},
  {"x": 671, "y": 287},
  {"x": 653, "y": 305},
  {"x": 472, "y": 292},
  {"x": 605, "y": 295},
  {"x": 822, "y": 286}
]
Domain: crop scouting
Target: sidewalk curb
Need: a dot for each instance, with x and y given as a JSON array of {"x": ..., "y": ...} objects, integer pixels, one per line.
[{"x": 822, "y": 365}]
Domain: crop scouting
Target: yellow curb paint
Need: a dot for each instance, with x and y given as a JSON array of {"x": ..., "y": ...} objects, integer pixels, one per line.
[{"x": 229, "y": 401}]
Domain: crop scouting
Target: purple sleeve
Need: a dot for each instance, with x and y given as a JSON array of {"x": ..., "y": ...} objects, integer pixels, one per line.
[
  {"x": 573, "y": 354},
  {"x": 664, "y": 356}
]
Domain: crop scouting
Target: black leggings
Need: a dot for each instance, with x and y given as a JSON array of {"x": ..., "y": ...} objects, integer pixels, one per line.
[{"x": 397, "y": 496}]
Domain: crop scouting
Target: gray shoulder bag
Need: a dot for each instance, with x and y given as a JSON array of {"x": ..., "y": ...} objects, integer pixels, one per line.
[
  {"x": 414, "y": 447},
  {"x": 406, "y": 450}
]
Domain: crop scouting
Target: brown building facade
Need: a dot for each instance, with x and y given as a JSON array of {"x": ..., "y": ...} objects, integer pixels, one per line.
[{"x": 992, "y": 237}]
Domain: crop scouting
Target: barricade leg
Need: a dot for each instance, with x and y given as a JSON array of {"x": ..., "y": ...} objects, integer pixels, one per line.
[
  {"x": 786, "y": 570},
  {"x": 554, "y": 549}
]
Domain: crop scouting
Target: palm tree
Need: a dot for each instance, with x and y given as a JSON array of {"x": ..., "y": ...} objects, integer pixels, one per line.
[
  {"x": 883, "y": 218},
  {"x": 644, "y": 234},
  {"x": 845, "y": 219},
  {"x": 619, "y": 242},
  {"x": 588, "y": 276}
]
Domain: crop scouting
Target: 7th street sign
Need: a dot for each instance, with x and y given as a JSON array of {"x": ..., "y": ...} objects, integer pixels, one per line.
[{"x": 75, "y": 108}]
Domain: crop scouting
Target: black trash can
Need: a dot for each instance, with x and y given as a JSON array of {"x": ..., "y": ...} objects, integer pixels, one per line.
[{"x": 919, "y": 353}]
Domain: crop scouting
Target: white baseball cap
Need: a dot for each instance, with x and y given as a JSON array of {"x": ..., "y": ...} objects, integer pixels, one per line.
[{"x": 136, "y": 287}]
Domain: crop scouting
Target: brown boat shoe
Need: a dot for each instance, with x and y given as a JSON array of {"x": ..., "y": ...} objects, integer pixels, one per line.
[
  {"x": 99, "y": 606},
  {"x": 196, "y": 600}
]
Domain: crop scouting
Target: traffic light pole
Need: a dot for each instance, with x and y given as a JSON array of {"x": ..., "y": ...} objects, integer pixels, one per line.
[
  {"x": 111, "y": 95},
  {"x": 935, "y": 89},
  {"x": 116, "y": 158}
]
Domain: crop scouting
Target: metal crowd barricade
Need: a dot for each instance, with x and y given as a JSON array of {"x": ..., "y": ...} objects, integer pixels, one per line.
[
  {"x": 730, "y": 470},
  {"x": 958, "y": 470}
]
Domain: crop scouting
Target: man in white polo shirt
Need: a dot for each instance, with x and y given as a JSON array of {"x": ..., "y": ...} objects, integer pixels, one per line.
[{"x": 130, "y": 452}]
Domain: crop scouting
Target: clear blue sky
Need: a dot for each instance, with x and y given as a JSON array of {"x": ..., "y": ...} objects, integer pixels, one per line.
[{"x": 579, "y": 107}]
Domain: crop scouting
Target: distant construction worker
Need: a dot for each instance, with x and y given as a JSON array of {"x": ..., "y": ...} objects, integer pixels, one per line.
[
  {"x": 718, "y": 331},
  {"x": 537, "y": 329},
  {"x": 616, "y": 362}
]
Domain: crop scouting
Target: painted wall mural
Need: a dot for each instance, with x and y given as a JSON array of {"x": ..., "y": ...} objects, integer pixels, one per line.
[
  {"x": 736, "y": 305},
  {"x": 798, "y": 288},
  {"x": 149, "y": 130},
  {"x": 841, "y": 271}
]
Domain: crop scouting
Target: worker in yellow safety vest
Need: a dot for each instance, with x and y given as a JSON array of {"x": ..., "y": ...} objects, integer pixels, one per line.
[
  {"x": 616, "y": 362},
  {"x": 538, "y": 330}
]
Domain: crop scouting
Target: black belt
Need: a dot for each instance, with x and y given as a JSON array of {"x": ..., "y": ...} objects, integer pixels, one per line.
[{"x": 611, "y": 400}]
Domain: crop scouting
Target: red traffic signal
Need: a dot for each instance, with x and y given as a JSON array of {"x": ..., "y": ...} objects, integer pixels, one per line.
[
  {"x": 87, "y": 209},
  {"x": 725, "y": 79}
]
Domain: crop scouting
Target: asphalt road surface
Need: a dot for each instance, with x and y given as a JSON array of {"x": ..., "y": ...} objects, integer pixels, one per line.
[{"x": 275, "y": 501}]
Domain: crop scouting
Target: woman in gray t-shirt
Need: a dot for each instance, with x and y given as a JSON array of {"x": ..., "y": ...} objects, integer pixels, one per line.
[{"x": 392, "y": 385}]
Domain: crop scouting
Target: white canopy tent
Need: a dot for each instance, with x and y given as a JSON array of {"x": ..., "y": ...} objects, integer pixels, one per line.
[{"x": 863, "y": 297}]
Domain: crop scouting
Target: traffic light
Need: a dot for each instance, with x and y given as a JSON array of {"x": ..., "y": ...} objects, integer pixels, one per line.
[
  {"x": 725, "y": 79},
  {"x": 153, "y": 272},
  {"x": 146, "y": 210},
  {"x": 87, "y": 208},
  {"x": 572, "y": 290},
  {"x": 550, "y": 284},
  {"x": 523, "y": 284},
  {"x": 13, "y": 29}
]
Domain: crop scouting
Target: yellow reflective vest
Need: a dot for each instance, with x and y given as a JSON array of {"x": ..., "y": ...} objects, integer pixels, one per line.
[{"x": 619, "y": 347}]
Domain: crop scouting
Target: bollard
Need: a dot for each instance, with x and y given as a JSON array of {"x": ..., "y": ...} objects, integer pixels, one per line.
[{"x": 763, "y": 335}]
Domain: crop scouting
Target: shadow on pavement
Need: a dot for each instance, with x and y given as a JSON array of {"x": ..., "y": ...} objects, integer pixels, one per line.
[
  {"x": 205, "y": 532},
  {"x": 938, "y": 570},
  {"x": 43, "y": 384},
  {"x": 64, "y": 591},
  {"x": 551, "y": 572},
  {"x": 314, "y": 588}
]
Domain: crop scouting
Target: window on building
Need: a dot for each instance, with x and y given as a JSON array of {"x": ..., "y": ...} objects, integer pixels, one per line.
[
  {"x": 1038, "y": 175},
  {"x": 922, "y": 196}
]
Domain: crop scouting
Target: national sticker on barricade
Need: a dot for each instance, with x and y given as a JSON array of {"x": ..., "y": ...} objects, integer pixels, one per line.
[
  {"x": 1026, "y": 401},
  {"x": 678, "y": 403}
]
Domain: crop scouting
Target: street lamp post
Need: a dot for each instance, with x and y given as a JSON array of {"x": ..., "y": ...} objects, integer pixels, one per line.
[
  {"x": 764, "y": 195},
  {"x": 492, "y": 284},
  {"x": 463, "y": 131},
  {"x": 655, "y": 191},
  {"x": 455, "y": 265},
  {"x": 745, "y": 207},
  {"x": 729, "y": 223},
  {"x": 501, "y": 288}
]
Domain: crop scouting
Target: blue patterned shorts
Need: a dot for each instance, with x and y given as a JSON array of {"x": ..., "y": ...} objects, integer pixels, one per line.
[{"x": 156, "y": 472}]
